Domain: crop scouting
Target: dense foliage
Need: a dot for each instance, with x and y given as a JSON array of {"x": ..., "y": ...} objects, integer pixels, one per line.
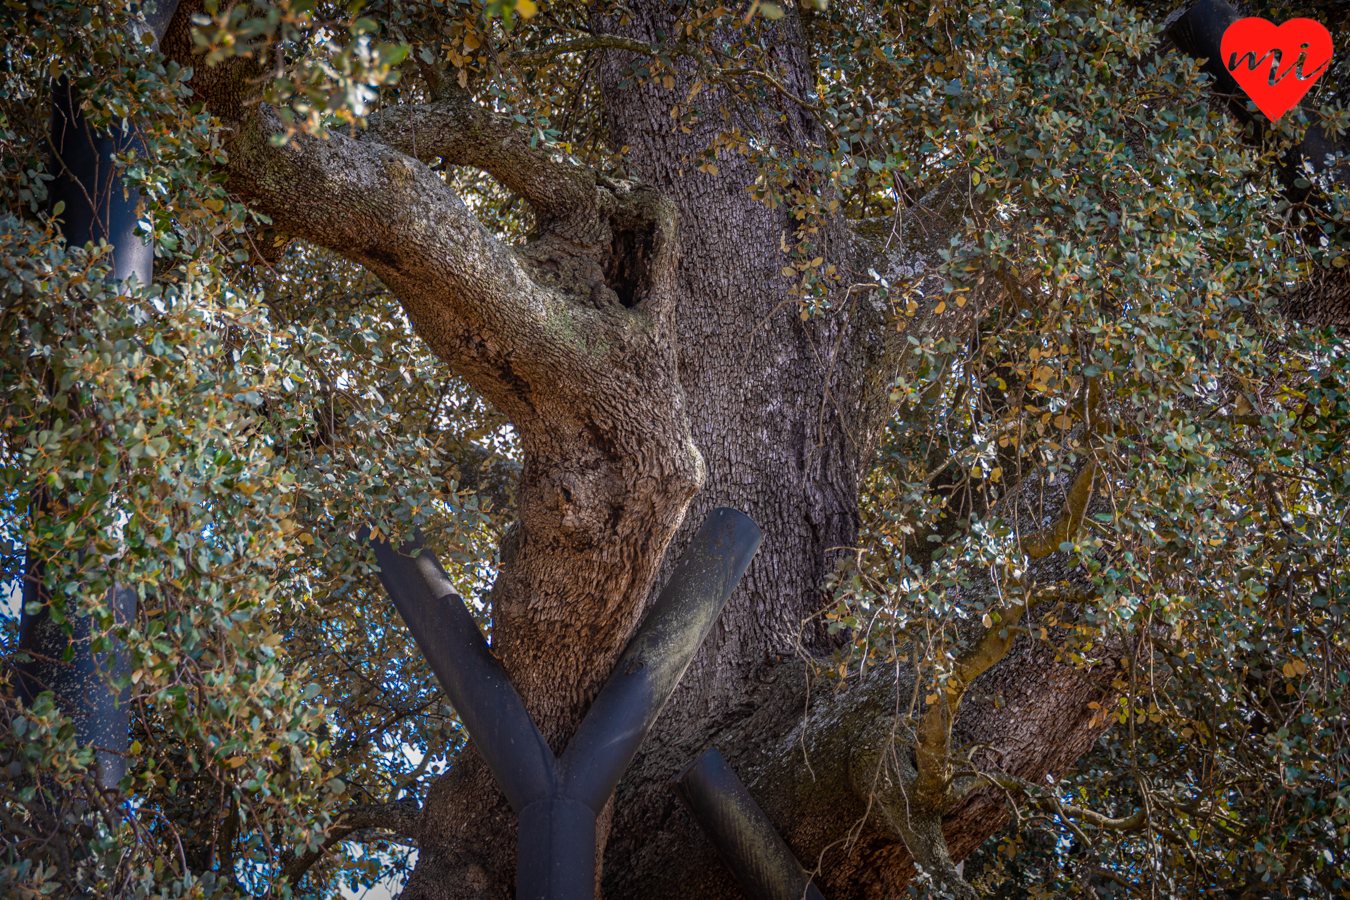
[{"x": 1121, "y": 255}]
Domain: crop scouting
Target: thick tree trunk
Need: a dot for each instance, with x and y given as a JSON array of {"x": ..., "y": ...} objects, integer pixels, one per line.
[
  {"x": 764, "y": 394},
  {"x": 780, "y": 409}
]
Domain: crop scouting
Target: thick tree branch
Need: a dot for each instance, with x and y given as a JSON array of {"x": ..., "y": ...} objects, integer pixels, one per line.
[
  {"x": 469, "y": 296},
  {"x": 582, "y": 45},
  {"x": 475, "y": 301},
  {"x": 1041, "y": 544},
  {"x": 400, "y": 817},
  {"x": 566, "y": 198}
]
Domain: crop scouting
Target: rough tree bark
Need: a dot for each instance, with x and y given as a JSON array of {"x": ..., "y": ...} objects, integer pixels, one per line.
[{"x": 647, "y": 349}]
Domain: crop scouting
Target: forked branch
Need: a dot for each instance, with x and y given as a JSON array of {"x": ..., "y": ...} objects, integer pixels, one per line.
[{"x": 476, "y": 301}]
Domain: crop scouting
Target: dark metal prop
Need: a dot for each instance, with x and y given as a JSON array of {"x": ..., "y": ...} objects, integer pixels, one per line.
[
  {"x": 98, "y": 205},
  {"x": 558, "y": 799},
  {"x": 741, "y": 832}
]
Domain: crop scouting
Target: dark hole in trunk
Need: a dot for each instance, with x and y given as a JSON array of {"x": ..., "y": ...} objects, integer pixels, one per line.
[{"x": 629, "y": 258}]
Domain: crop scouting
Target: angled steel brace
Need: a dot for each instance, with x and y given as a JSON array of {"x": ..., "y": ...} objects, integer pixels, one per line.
[
  {"x": 741, "y": 833},
  {"x": 558, "y": 799}
]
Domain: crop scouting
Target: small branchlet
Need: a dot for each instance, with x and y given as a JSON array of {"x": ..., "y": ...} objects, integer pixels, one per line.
[{"x": 913, "y": 781}]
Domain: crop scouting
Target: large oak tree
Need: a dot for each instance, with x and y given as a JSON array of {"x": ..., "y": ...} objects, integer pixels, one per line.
[{"x": 997, "y": 321}]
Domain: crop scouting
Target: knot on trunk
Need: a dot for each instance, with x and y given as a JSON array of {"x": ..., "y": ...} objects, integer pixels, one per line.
[
  {"x": 577, "y": 502},
  {"x": 570, "y": 269}
]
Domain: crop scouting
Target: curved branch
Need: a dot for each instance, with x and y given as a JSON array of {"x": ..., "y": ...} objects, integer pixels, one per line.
[
  {"x": 581, "y": 45},
  {"x": 1046, "y": 801},
  {"x": 468, "y": 295},
  {"x": 567, "y": 198},
  {"x": 1046, "y": 541},
  {"x": 517, "y": 334}
]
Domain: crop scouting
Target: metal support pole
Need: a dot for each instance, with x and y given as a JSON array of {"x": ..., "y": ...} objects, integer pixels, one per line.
[
  {"x": 473, "y": 679},
  {"x": 741, "y": 833},
  {"x": 101, "y": 717},
  {"x": 97, "y": 205},
  {"x": 558, "y": 800},
  {"x": 556, "y": 850}
]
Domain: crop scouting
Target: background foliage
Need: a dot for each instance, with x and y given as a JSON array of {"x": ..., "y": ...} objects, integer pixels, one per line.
[{"x": 215, "y": 439}]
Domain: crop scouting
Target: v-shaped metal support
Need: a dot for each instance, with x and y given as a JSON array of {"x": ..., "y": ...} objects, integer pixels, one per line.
[{"x": 558, "y": 799}]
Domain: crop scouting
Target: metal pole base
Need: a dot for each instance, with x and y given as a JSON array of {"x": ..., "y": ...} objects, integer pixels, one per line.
[{"x": 557, "y": 851}]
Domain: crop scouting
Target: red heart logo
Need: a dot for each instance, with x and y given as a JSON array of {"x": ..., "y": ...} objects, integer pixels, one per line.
[{"x": 1276, "y": 65}]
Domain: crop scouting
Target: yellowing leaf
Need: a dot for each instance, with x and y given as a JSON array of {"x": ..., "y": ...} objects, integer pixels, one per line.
[
  {"x": 526, "y": 8},
  {"x": 941, "y": 307}
]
